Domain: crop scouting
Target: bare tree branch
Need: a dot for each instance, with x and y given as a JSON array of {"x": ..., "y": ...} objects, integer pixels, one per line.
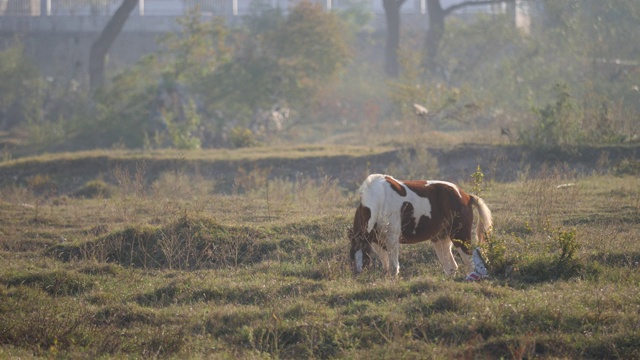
[{"x": 464, "y": 4}]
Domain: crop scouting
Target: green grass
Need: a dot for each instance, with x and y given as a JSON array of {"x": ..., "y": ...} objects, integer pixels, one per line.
[{"x": 174, "y": 269}]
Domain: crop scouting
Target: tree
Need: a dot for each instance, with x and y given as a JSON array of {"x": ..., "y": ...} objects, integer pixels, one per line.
[
  {"x": 277, "y": 60},
  {"x": 153, "y": 103},
  {"x": 437, "y": 16},
  {"x": 392, "y": 16},
  {"x": 101, "y": 46}
]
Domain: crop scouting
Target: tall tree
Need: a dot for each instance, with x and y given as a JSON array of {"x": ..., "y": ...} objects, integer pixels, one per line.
[
  {"x": 437, "y": 16},
  {"x": 392, "y": 17},
  {"x": 101, "y": 46}
]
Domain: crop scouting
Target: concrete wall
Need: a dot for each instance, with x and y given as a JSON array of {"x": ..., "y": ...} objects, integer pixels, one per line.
[
  {"x": 58, "y": 34},
  {"x": 59, "y": 46}
]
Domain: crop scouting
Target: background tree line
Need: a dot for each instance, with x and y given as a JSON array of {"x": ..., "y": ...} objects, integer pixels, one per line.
[{"x": 308, "y": 75}]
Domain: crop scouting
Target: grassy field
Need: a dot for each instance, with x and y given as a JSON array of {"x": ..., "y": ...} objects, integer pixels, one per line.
[{"x": 171, "y": 267}]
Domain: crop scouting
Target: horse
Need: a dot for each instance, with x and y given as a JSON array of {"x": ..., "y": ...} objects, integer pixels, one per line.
[{"x": 393, "y": 212}]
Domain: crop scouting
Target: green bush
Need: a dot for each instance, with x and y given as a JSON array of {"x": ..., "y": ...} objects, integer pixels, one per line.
[
  {"x": 555, "y": 125},
  {"x": 21, "y": 89}
]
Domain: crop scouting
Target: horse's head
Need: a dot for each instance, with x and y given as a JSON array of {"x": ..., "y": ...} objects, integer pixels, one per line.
[{"x": 360, "y": 252}]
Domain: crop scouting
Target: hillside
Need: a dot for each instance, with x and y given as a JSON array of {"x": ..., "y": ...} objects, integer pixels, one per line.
[{"x": 346, "y": 164}]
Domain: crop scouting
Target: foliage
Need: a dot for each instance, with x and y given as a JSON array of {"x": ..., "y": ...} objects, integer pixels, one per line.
[
  {"x": 628, "y": 167},
  {"x": 149, "y": 105},
  {"x": 311, "y": 47},
  {"x": 500, "y": 261},
  {"x": 568, "y": 245},
  {"x": 478, "y": 183},
  {"x": 278, "y": 61},
  {"x": 493, "y": 73},
  {"x": 125, "y": 108},
  {"x": 21, "y": 89},
  {"x": 557, "y": 124},
  {"x": 449, "y": 106},
  {"x": 49, "y": 110},
  {"x": 357, "y": 15},
  {"x": 241, "y": 137},
  {"x": 207, "y": 80},
  {"x": 97, "y": 188}
]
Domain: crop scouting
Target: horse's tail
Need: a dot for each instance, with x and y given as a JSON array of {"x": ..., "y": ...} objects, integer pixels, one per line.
[{"x": 485, "y": 222}]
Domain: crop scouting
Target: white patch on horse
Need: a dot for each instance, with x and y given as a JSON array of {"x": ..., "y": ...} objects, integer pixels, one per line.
[
  {"x": 454, "y": 186},
  {"x": 385, "y": 205}
]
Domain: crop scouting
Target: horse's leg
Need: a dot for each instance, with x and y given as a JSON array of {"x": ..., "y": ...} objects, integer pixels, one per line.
[
  {"x": 437, "y": 246},
  {"x": 382, "y": 255},
  {"x": 393, "y": 246},
  {"x": 466, "y": 258},
  {"x": 449, "y": 264}
]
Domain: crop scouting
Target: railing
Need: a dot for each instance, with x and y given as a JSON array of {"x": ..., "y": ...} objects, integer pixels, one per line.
[
  {"x": 209, "y": 7},
  {"x": 169, "y": 7},
  {"x": 108, "y": 7}
]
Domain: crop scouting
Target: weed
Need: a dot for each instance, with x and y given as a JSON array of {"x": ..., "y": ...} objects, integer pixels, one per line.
[
  {"x": 557, "y": 124},
  {"x": 500, "y": 261},
  {"x": 478, "y": 183},
  {"x": 567, "y": 245}
]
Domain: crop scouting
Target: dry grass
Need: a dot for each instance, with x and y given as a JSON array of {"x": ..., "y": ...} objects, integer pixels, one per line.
[{"x": 172, "y": 268}]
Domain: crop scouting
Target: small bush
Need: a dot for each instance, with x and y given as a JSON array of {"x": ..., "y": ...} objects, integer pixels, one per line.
[
  {"x": 186, "y": 243},
  {"x": 499, "y": 261},
  {"x": 559, "y": 262},
  {"x": 41, "y": 184},
  {"x": 95, "y": 189},
  {"x": 627, "y": 167},
  {"x": 240, "y": 137},
  {"x": 567, "y": 243}
]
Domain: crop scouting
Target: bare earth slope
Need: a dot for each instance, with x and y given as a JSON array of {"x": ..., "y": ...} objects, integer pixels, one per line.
[{"x": 349, "y": 165}]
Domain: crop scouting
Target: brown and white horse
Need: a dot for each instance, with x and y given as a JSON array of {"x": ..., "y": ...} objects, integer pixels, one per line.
[{"x": 394, "y": 212}]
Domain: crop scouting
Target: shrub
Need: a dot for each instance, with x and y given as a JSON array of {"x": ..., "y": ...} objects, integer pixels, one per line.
[
  {"x": 556, "y": 124},
  {"x": 95, "y": 189},
  {"x": 568, "y": 245},
  {"x": 499, "y": 261},
  {"x": 186, "y": 243},
  {"x": 20, "y": 89},
  {"x": 41, "y": 184},
  {"x": 627, "y": 167},
  {"x": 559, "y": 262}
]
